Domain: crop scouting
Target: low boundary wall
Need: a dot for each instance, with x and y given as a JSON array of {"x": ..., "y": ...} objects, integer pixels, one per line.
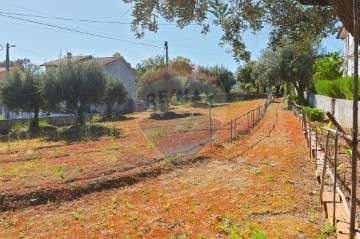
[
  {"x": 342, "y": 109},
  {"x": 5, "y": 125}
]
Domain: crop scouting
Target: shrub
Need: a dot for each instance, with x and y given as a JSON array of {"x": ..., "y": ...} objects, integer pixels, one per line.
[
  {"x": 341, "y": 88},
  {"x": 314, "y": 114},
  {"x": 298, "y": 100}
]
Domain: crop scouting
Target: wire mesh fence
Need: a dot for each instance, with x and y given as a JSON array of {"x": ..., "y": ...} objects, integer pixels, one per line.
[{"x": 237, "y": 126}]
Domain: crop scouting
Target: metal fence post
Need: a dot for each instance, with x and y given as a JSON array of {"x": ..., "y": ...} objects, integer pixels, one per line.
[
  {"x": 248, "y": 122},
  {"x": 235, "y": 130},
  {"x": 210, "y": 125},
  {"x": 231, "y": 122},
  {"x": 253, "y": 118}
]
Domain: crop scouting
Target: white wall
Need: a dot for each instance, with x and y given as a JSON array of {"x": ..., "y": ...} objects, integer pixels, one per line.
[
  {"x": 117, "y": 68},
  {"x": 343, "y": 108}
]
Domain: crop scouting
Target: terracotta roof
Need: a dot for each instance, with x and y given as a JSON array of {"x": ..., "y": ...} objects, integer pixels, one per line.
[
  {"x": 72, "y": 59},
  {"x": 101, "y": 60},
  {"x": 105, "y": 60}
]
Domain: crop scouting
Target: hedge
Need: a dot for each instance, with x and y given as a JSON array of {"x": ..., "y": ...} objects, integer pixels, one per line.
[{"x": 341, "y": 88}]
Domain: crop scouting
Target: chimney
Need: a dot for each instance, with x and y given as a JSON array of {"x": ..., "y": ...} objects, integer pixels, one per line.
[{"x": 68, "y": 55}]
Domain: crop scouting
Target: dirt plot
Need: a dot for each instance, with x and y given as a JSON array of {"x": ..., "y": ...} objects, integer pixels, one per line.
[
  {"x": 36, "y": 169},
  {"x": 261, "y": 185}
]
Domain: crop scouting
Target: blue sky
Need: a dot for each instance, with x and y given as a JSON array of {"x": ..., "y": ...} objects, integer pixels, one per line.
[{"x": 42, "y": 43}]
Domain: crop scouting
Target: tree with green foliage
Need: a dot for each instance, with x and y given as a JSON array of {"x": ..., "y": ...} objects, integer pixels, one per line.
[
  {"x": 182, "y": 65},
  {"x": 327, "y": 67},
  {"x": 76, "y": 83},
  {"x": 225, "y": 76},
  {"x": 267, "y": 70},
  {"x": 289, "y": 20},
  {"x": 245, "y": 77},
  {"x": 152, "y": 63},
  {"x": 117, "y": 54},
  {"x": 285, "y": 66},
  {"x": 21, "y": 63},
  {"x": 296, "y": 67},
  {"x": 21, "y": 91},
  {"x": 115, "y": 92}
]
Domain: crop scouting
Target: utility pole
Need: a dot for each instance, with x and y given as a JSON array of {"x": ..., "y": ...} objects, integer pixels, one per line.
[
  {"x": 355, "y": 122},
  {"x": 7, "y": 62},
  {"x": 167, "y": 53},
  {"x": 7, "y": 65}
]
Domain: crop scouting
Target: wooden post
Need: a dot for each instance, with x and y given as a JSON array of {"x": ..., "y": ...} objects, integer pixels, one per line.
[
  {"x": 324, "y": 168},
  {"x": 354, "y": 142},
  {"x": 305, "y": 128},
  {"x": 335, "y": 176}
]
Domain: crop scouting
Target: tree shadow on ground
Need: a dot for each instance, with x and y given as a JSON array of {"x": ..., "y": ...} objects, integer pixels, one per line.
[
  {"x": 172, "y": 115},
  {"x": 73, "y": 133}
]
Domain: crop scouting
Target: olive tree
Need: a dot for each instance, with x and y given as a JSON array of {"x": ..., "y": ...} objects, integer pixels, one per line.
[
  {"x": 288, "y": 20},
  {"x": 21, "y": 91},
  {"x": 115, "y": 92},
  {"x": 77, "y": 84},
  {"x": 285, "y": 65}
]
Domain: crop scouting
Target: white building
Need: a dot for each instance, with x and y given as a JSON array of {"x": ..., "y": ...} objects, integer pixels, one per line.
[
  {"x": 348, "y": 51},
  {"x": 114, "y": 66}
]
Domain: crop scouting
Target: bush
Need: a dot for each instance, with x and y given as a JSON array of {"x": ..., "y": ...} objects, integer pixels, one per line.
[
  {"x": 314, "y": 114},
  {"x": 298, "y": 100},
  {"x": 341, "y": 88}
]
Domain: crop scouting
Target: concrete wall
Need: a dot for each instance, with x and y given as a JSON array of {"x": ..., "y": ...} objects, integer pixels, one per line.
[
  {"x": 119, "y": 69},
  {"x": 5, "y": 125},
  {"x": 343, "y": 108}
]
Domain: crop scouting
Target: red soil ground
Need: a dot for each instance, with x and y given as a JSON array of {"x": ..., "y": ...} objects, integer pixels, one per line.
[{"x": 263, "y": 183}]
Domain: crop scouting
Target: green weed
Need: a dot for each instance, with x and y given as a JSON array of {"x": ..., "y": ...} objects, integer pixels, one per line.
[
  {"x": 128, "y": 205},
  {"x": 328, "y": 229},
  {"x": 257, "y": 171},
  {"x": 60, "y": 172},
  {"x": 169, "y": 160},
  {"x": 166, "y": 206},
  {"x": 79, "y": 168},
  {"x": 269, "y": 177}
]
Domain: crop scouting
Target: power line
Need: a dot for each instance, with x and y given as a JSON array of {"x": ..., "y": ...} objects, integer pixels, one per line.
[
  {"x": 82, "y": 20},
  {"x": 29, "y": 51},
  {"x": 77, "y": 31}
]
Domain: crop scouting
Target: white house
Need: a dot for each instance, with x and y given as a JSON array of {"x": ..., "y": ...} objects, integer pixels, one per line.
[
  {"x": 348, "y": 51},
  {"x": 114, "y": 66}
]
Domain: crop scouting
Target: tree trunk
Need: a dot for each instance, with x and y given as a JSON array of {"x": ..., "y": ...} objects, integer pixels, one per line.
[
  {"x": 80, "y": 111},
  {"x": 108, "y": 110},
  {"x": 264, "y": 89},
  {"x": 35, "y": 121},
  {"x": 300, "y": 91}
]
